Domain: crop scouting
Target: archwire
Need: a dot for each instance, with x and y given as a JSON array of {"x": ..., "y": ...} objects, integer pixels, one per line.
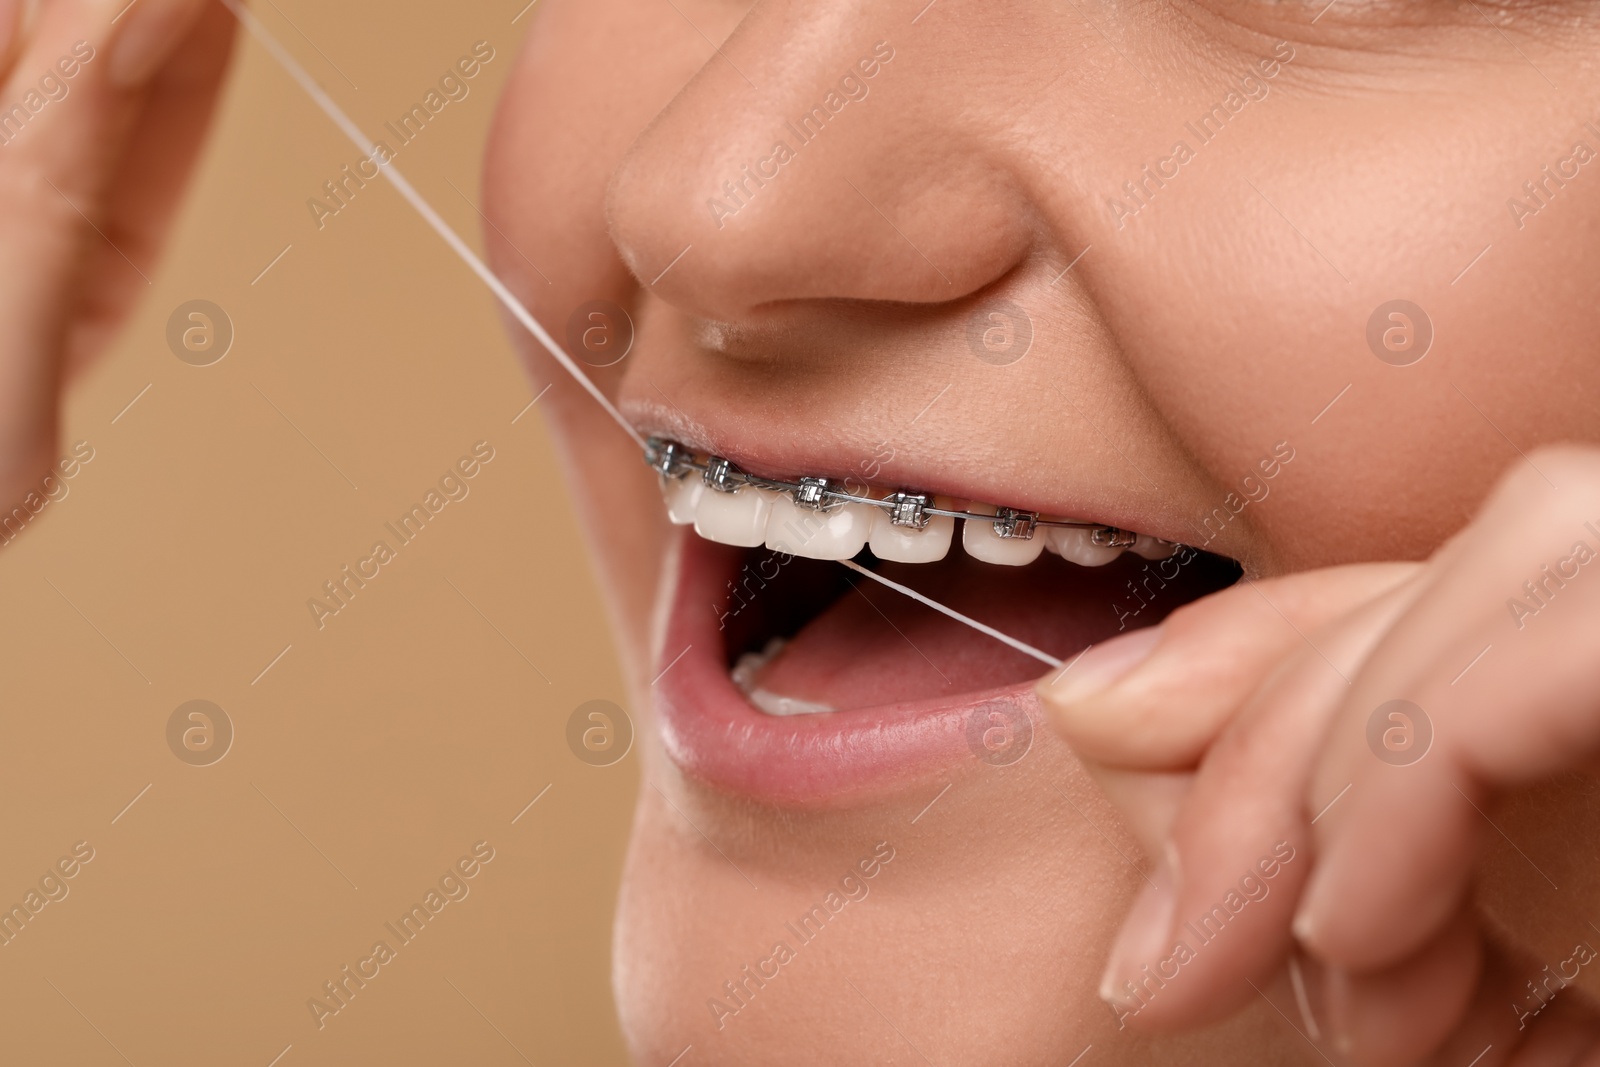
[{"x": 347, "y": 126}]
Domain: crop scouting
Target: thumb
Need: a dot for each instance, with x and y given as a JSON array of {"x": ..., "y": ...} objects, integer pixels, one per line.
[
  {"x": 1146, "y": 801},
  {"x": 1156, "y": 698}
]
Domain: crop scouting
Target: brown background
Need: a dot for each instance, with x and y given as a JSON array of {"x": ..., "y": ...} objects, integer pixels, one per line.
[{"x": 375, "y": 752}]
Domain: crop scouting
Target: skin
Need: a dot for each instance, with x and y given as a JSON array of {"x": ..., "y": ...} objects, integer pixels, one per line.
[
  {"x": 120, "y": 155},
  {"x": 1415, "y": 912},
  {"x": 1217, "y": 321},
  {"x": 819, "y": 320}
]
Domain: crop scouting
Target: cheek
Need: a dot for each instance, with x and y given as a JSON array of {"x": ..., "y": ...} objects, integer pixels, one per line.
[
  {"x": 1383, "y": 198},
  {"x": 614, "y": 65}
]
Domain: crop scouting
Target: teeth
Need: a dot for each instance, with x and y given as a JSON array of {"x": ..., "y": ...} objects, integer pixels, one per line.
[
  {"x": 744, "y": 671},
  {"x": 734, "y": 518},
  {"x": 981, "y": 542},
  {"x": 907, "y": 544},
  {"x": 1153, "y": 547},
  {"x": 1073, "y": 544},
  {"x": 744, "y": 676},
  {"x": 773, "y": 704},
  {"x": 683, "y": 497},
  {"x": 838, "y": 533},
  {"x": 754, "y": 516}
]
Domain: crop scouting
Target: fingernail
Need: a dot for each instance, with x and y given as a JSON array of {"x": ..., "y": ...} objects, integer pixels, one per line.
[
  {"x": 1099, "y": 668},
  {"x": 1144, "y": 940},
  {"x": 144, "y": 34},
  {"x": 1323, "y": 995},
  {"x": 1306, "y": 979},
  {"x": 1305, "y": 926},
  {"x": 1307, "y": 917}
]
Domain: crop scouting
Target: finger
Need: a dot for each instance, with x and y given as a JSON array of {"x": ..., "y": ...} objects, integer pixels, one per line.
[
  {"x": 79, "y": 88},
  {"x": 1557, "y": 1038},
  {"x": 1395, "y": 853},
  {"x": 14, "y": 19},
  {"x": 1213, "y": 925},
  {"x": 1590, "y": 1057},
  {"x": 1397, "y": 1016},
  {"x": 149, "y": 31},
  {"x": 70, "y": 106},
  {"x": 1155, "y": 699},
  {"x": 151, "y": 178},
  {"x": 1487, "y": 1034},
  {"x": 1146, "y": 801}
]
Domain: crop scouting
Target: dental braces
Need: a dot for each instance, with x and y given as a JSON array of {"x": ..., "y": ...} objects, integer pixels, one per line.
[{"x": 670, "y": 459}]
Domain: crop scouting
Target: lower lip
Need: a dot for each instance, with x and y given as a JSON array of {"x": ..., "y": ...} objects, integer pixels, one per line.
[{"x": 715, "y": 735}]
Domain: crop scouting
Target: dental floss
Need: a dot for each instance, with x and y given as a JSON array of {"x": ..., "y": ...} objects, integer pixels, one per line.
[
  {"x": 1020, "y": 646},
  {"x": 292, "y": 67},
  {"x": 414, "y": 198}
]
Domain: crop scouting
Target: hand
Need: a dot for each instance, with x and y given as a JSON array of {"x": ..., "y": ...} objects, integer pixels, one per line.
[
  {"x": 100, "y": 123},
  {"x": 1252, "y": 745}
]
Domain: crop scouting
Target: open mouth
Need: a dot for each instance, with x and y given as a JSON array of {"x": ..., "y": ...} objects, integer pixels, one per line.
[
  {"x": 797, "y": 681},
  {"x": 817, "y": 638}
]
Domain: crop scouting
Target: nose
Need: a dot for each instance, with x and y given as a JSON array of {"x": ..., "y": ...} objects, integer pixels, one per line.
[{"x": 817, "y": 155}]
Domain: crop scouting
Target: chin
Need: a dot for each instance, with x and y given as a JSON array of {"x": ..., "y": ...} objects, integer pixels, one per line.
[{"x": 885, "y": 932}]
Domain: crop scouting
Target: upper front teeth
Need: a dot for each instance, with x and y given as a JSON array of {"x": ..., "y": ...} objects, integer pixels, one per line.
[
  {"x": 983, "y": 540},
  {"x": 807, "y": 519},
  {"x": 734, "y": 518},
  {"x": 838, "y": 533},
  {"x": 683, "y": 498},
  {"x": 910, "y": 544}
]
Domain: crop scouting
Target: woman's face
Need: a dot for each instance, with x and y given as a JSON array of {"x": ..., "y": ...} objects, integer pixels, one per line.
[{"x": 1135, "y": 263}]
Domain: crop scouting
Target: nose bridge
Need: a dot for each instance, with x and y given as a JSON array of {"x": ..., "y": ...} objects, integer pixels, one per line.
[{"x": 822, "y": 152}]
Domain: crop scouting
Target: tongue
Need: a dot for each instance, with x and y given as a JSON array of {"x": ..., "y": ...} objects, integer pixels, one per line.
[{"x": 873, "y": 646}]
